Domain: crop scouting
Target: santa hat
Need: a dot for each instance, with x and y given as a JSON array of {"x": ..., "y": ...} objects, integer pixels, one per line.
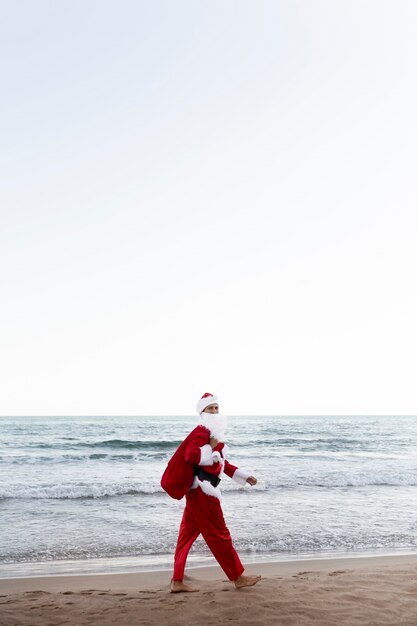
[{"x": 205, "y": 401}]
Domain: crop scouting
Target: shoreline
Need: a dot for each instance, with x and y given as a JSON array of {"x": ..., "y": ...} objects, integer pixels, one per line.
[
  {"x": 209, "y": 572},
  {"x": 145, "y": 565}
]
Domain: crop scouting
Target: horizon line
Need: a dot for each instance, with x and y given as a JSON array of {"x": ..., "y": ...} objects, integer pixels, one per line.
[{"x": 229, "y": 415}]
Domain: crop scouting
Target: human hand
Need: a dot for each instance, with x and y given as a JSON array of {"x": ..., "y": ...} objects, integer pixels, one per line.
[
  {"x": 216, "y": 457},
  {"x": 213, "y": 442},
  {"x": 251, "y": 480}
]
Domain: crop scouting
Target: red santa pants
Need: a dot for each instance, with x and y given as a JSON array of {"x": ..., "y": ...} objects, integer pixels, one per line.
[{"x": 203, "y": 514}]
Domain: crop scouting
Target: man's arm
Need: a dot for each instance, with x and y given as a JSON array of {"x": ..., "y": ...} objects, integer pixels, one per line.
[{"x": 238, "y": 475}]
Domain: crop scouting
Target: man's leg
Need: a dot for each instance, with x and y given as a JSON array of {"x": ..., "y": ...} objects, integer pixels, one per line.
[
  {"x": 208, "y": 515},
  {"x": 187, "y": 534}
]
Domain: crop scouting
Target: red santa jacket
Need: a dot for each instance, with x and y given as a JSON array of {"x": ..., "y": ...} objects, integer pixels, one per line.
[
  {"x": 204, "y": 456},
  {"x": 194, "y": 450}
]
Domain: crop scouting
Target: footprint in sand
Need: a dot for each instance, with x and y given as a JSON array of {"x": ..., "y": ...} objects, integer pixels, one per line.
[{"x": 302, "y": 575}]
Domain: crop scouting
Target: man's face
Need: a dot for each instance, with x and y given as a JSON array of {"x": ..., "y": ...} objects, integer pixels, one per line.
[{"x": 212, "y": 408}]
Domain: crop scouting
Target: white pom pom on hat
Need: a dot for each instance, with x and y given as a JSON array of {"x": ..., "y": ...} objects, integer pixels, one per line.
[{"x": 205, "y": 401}]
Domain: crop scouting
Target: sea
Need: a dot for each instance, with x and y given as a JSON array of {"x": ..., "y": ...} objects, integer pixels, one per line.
[{"x": 82, "y": 494}]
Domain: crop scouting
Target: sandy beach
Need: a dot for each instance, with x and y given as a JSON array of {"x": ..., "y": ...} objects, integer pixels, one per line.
[{"x": 360, "y": 590}]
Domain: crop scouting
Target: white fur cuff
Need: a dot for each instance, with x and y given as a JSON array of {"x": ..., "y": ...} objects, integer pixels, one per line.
[
  {"x": 206, "y": 457},
  {"x": 240, "y": 476}
]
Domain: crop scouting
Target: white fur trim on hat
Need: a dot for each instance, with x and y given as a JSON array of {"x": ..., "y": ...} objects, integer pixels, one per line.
[{"x": 206, "y": 401}]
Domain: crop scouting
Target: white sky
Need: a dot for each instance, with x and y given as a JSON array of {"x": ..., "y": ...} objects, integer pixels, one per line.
[{"x": 208, "y": 196}]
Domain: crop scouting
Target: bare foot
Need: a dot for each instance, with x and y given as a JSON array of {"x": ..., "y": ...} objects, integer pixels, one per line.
[
  {"x": 246, "y": 581},
  {"x": 177, "y": 586}
]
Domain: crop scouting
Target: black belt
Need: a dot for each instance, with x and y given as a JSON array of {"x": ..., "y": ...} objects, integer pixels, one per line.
[{"x": 203, "y": 475}]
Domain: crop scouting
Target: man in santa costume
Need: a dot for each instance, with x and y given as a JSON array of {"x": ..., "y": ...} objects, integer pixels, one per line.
[{"x": 203, "y": 514}]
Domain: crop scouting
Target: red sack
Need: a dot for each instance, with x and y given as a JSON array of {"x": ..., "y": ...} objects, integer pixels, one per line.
[{"x": 179, "y": 474}]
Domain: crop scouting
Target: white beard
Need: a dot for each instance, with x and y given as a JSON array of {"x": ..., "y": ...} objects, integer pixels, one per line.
[{"x": 216, "y": 424}]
